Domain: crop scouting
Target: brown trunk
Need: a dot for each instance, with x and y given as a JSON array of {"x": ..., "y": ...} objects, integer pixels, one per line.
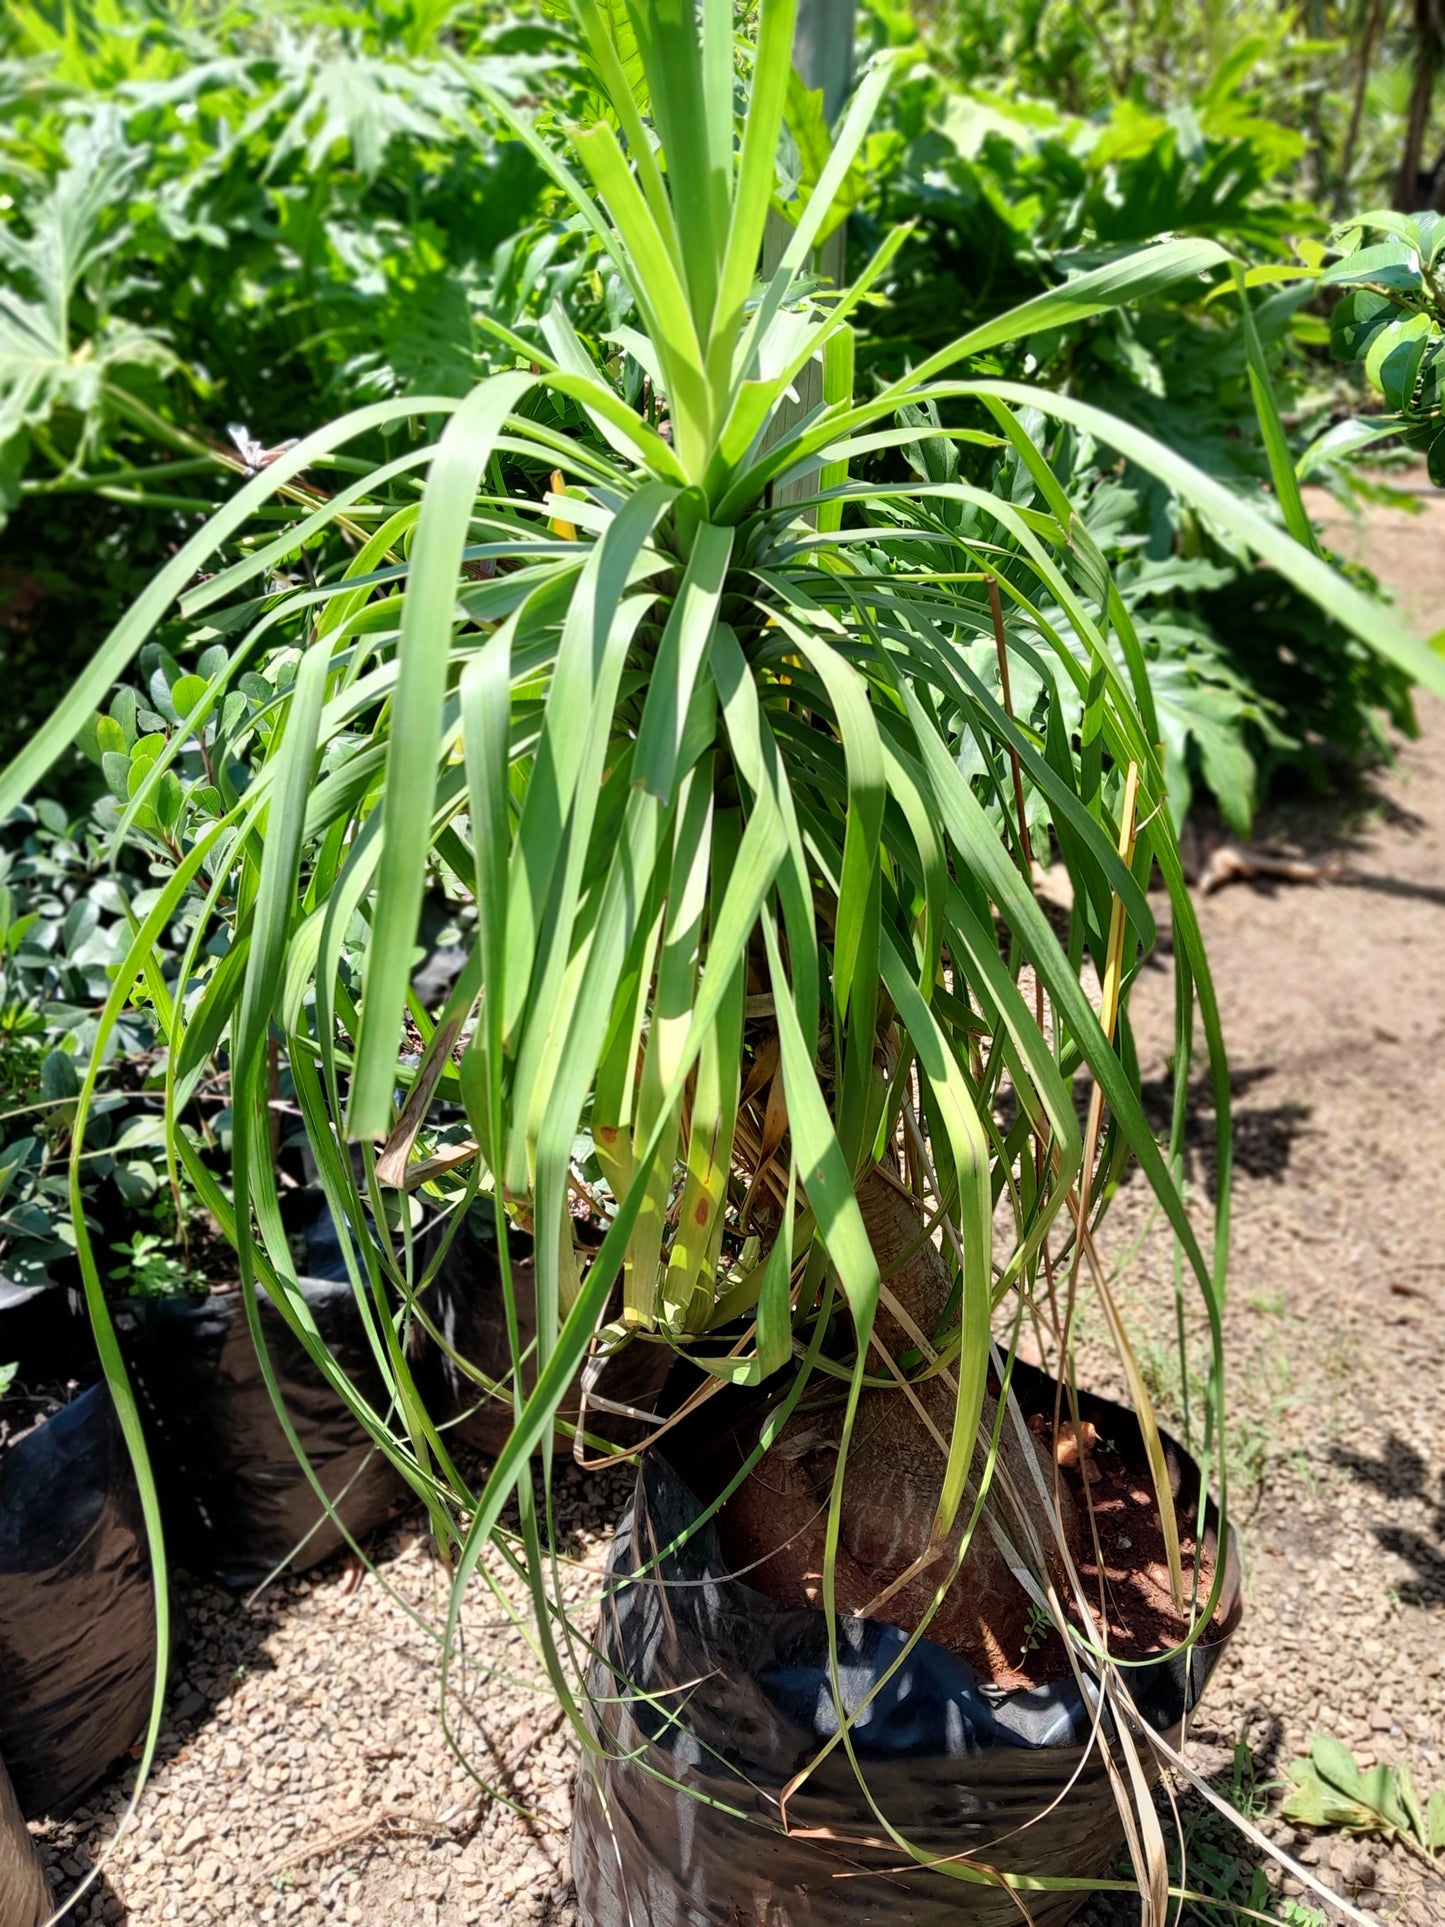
[
  {"x": 775, "y": 1523},
  {"x": 1427, "y": 59},
  {"x": 1363, "y": 58}
]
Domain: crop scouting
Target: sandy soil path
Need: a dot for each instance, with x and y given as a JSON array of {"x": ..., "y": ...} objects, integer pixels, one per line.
[{"x": 1333, "y": 1002}]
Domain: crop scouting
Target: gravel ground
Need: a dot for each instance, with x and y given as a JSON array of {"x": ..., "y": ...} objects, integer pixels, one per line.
[{"x": 303, "y": 1775}]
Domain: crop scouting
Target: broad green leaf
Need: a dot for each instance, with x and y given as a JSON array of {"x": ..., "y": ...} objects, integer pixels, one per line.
[{"x": 1391, "y": 264}]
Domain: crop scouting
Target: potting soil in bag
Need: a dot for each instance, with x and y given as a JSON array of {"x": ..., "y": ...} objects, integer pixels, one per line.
[
  {"x": 465, "y": 1303},
  {"x": 705, "y": 1690},
  {"x": 77, "y": 1615},
  {"x": 238, "y": 1503},
  {"x": 24, "y": 1896}
]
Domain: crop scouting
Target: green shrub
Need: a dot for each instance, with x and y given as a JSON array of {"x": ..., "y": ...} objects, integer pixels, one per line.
[
  {"x": 1389, "y": 320},
  {"x": 66, "y": 917},
  {"x": 1011, "y": 198},
  {"x": 226, "y": 224}
]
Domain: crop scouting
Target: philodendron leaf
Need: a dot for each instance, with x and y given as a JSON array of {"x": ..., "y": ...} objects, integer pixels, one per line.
[
  {"x": 1393, "y": 361},
  {"x": 1357, "y": 320},
  {"x": 813, "y": 144}
]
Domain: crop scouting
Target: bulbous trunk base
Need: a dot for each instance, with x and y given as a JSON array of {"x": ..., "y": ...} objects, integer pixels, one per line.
[{"x": 772, "y": 1530}]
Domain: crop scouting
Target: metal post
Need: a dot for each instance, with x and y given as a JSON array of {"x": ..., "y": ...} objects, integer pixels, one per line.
[
  {"x": 823, "y": 56},
  {"x": 823, "y": 49}
]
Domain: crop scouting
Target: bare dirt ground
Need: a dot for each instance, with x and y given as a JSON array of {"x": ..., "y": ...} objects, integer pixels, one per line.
[
  {"x": 1333, "y": 1003},
  {"x": 304, "y": 1775}
]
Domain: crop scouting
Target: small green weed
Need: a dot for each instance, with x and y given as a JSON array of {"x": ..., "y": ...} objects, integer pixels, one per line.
[
  {"x": 150, "y": 1268},
  {"x": 1331, "y": 1789},
  {"x": 1219, "y": 1867},
  {"x": 1037, "y": 1628}
]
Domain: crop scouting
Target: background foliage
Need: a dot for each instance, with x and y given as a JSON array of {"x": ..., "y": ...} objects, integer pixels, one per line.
[
  {"x": 240, "y": 217},
  {"x": 1012, "y": 195},
  {"x": 1345, "y": 73},
  {"x": 247, "y": 216}
]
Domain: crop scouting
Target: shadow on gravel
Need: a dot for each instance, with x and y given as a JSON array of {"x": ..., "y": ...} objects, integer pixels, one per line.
[
  {"x": 1427, "y": 1588},
  {"x": 1401, "y": 1472},
  {"x": 65, "y": 1868},
  {"x": 220, "y": 1641}
]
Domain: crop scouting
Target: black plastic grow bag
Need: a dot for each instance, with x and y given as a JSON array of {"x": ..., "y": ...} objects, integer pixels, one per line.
[
  {"x": 24, "y": 1896},
  {"x": 45, "y": 1331},
  {"x": 237, "y": 1502},
  {"x": 465, "y": 1305},
  {"x": 705, "y": 1690},
  {"x": 77, "y": 1613}
]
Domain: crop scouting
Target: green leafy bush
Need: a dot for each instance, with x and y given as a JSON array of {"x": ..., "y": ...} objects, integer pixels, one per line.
[
  {"x": 224, "y": 225},
  {"x": 72, "y": 893},
  {"x": 1389, "y": 320},
  {"x": 269, "y": 213},
  {"x": 1010, "y": 198},
  {"x": 67, "y": 913},
  {"x": 1341, "y": 71},
  {"x": 251, "y": 217}
]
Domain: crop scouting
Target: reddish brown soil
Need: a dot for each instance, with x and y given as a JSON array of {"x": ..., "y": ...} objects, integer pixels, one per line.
[
  {"x": 886, "y": 1566},
  {"x": 771, "y": 1537},
  {"x": 1124, "y": 1565}
]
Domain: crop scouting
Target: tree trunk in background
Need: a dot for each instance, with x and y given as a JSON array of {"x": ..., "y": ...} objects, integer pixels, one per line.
[
  {"x": 1363, "y": 58},
  {"x": 823, "y": 50},
  {"x": 1428, "y": 16},
  {"x": 1314, "y": 19}
]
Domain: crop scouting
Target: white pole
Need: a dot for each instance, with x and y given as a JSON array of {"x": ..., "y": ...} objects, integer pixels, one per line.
[{"x": 823, "y": 56}]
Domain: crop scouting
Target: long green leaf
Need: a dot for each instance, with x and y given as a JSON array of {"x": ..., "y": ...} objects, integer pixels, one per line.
[
  {"x": 426, "y": 629},
  {"x": 90, "y": 688}
]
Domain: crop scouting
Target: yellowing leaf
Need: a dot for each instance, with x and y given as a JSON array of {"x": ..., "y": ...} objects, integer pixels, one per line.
[{"x": 566, "y": 530}]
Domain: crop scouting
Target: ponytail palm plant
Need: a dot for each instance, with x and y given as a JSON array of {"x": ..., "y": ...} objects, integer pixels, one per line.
[{"x": 741, "y": 753}]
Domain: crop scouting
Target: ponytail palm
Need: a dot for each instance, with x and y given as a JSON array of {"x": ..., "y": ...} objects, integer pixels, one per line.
[{"x": 744, "y": 793}]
